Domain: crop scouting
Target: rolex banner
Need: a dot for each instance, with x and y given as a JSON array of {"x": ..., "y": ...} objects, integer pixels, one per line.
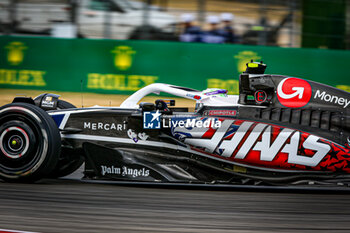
[{"x": 122, "y": 67}]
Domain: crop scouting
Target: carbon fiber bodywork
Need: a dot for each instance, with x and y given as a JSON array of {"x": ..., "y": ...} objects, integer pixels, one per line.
[{"x": 267, "y": 140}]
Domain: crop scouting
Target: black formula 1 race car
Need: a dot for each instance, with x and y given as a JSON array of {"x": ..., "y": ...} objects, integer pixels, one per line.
[{"x": 279, "y": 130}]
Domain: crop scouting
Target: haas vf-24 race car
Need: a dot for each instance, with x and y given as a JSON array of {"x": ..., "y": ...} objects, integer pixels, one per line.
[{"x": 278, "y": 130}]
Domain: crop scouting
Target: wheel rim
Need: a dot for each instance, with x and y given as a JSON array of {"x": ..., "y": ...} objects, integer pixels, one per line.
[
  {"x": 14, "y": 142},
  {"x": 21, "y": 145}
]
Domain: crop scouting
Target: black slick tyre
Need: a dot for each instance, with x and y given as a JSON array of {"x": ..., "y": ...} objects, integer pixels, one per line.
[
  {"x": 61, "y": 104},
  {"x": 30, "y": 143}
]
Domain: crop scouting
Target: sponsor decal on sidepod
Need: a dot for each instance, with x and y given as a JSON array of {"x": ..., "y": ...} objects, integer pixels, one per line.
[
  {"x": 104, "y": 126},
  {"x": 266, "y": 145},
  {"x": 294, "y": 92},
  {"x": 220, "y": 113},
  {"x": 124, "y": 171},
  {"x": 135, "y": 137},
  {"x": 324, "y": 96}
]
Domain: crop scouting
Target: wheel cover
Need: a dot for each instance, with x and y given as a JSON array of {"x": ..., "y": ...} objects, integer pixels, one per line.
[{"x": 14, "y": 142}]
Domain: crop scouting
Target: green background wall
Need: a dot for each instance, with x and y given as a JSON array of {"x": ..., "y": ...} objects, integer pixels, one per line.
[
  {"x": 122, "y": 67},
  {"x": 324, "y": 24}
]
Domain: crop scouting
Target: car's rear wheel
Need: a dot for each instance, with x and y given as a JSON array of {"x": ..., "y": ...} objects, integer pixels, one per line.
[
  {"x": 61, "y": 104},
  {"x": 30, "y": 143}
]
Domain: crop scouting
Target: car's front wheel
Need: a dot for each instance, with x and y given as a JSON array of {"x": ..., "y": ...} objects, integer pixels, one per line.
[{"x": 30, "y": 143}]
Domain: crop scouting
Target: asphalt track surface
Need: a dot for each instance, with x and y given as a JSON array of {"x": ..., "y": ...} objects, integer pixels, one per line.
[{"x": 74, "y": 206}]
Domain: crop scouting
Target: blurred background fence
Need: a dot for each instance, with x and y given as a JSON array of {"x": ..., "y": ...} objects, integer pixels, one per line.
[
  {"x": 287, "y": 23},
  {"x": 124, "y": 66},
  {"x": 105, "y": 45}
]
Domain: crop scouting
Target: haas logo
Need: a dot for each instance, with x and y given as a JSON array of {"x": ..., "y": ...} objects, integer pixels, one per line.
[{"x": 294, "y": 92}]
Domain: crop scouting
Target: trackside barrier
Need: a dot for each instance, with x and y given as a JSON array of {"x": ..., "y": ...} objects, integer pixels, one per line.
[{"x": 122, "y": 67}]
